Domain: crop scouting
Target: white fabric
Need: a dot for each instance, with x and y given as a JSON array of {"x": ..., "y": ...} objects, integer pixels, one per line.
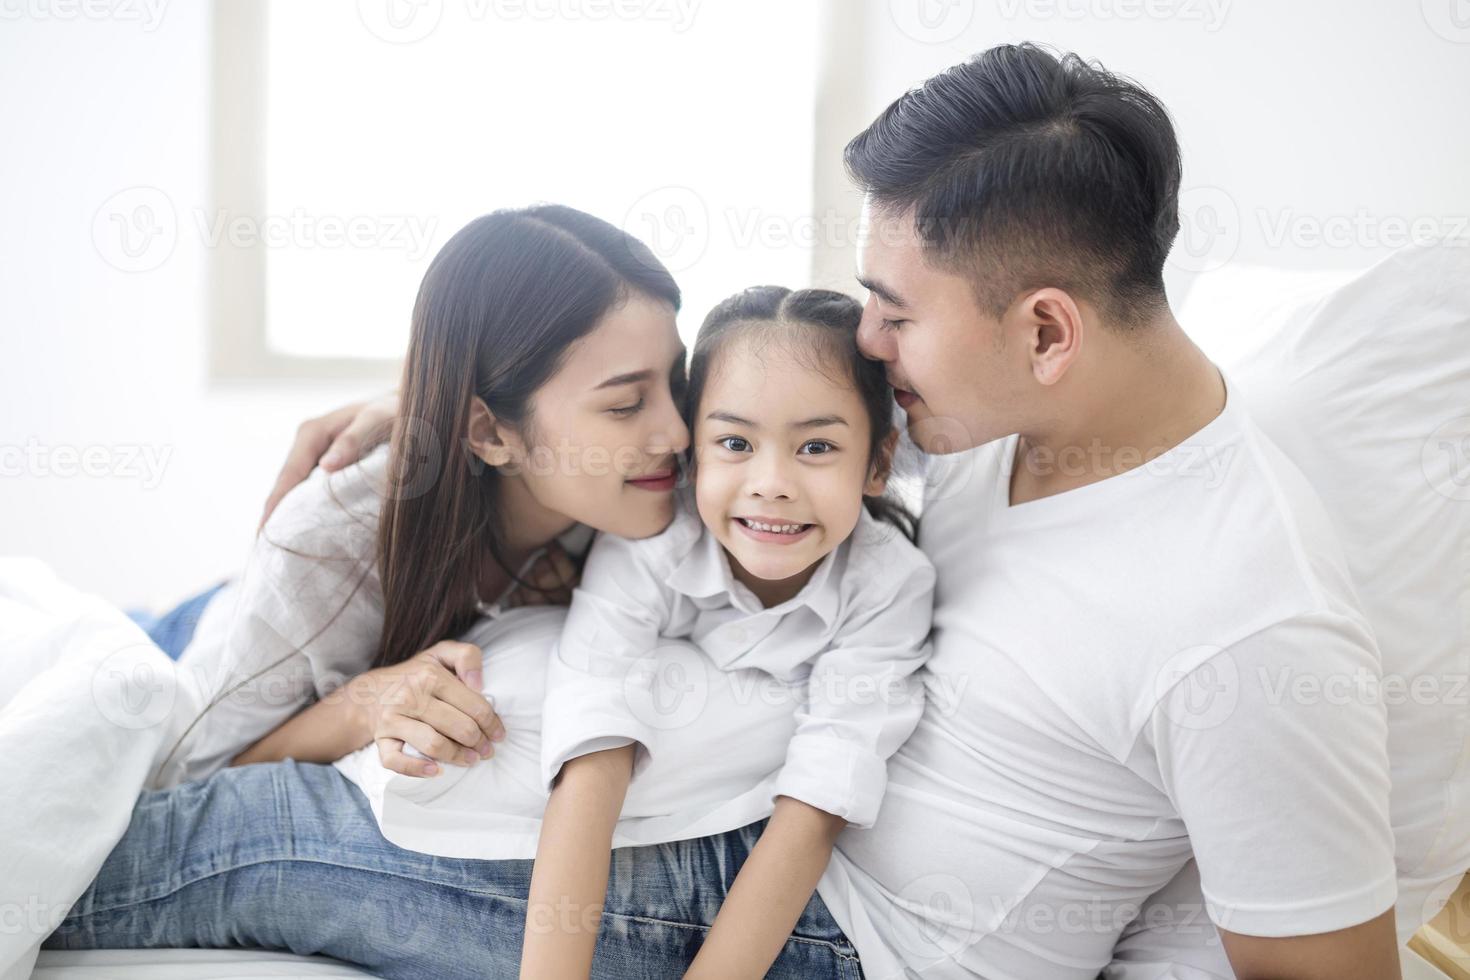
[
  {"x": 1364, "y": 380},
  {"x": 184, "y": 964},
  {"x": 1105, "y": 698},
  {"x": 88, "y": 705},
  {"x": 849, "y": 641},
  {"x": 687, "y": 662}
]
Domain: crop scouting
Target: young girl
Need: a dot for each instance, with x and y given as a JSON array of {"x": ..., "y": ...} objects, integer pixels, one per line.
[{"x": 787, "y": 560}]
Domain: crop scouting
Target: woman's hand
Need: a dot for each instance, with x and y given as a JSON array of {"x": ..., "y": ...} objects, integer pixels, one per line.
[
  {"x": 332, "y": 441},
  {"x": 554, "y": 575},
  {"x": 433, "y": 702}
]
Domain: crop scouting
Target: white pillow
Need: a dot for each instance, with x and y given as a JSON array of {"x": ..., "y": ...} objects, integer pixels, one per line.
[{"x": 1366, "y": 385}]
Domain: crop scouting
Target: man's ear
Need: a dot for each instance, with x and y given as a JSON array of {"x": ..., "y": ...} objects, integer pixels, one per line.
[
  {"x": 1056, "y": 332},
  {"x": 487, "y": 438},
  {"x": 882, "y": 466}
]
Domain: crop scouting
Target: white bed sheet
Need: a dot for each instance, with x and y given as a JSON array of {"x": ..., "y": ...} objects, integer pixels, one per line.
[{"x": 183, "y": 964}]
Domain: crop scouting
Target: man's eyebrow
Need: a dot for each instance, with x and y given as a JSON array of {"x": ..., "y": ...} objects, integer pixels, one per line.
[
  {"x": 882, "y": 292},
  {"x": 811, "y": 423}
]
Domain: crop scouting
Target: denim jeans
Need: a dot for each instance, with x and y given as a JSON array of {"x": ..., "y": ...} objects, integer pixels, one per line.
[
  {"x": 174, "y": 629},
  {"x": 288, "y": 856}
]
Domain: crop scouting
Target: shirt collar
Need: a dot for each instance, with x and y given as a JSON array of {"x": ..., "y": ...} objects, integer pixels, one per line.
[{"x": 705, "y": 572}]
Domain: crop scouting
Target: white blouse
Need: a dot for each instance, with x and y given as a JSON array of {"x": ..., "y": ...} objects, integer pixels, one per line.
[{"x": 847, "y": 645}]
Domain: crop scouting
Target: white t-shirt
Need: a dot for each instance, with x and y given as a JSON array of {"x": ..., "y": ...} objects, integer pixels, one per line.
[{"x": 1164, "y": 663}]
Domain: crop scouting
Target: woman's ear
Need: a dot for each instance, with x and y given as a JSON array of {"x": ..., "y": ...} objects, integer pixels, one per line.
[
  {"x": 488, "y": 438},
  {"x": 882, "y": 466}
]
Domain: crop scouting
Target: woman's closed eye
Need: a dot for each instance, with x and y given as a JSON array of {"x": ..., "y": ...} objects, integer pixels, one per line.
[{"x": 627, "y": 409}]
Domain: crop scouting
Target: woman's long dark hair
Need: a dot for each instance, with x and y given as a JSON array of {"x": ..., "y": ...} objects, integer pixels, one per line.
[
  {"x": 835, "y": 316},
  {"x": 497, "y": 310}
]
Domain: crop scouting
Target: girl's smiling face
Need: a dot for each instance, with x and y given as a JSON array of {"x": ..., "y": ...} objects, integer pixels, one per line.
[{"x": 781, "y": 441}]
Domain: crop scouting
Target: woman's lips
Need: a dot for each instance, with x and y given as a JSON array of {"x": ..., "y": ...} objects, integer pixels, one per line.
[
  {"x": 657, "y": 483},
  {"x": 904, "y": 397}
]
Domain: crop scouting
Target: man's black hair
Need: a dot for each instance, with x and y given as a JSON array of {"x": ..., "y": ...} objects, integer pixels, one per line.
[{"x": 1024, "y": 169}]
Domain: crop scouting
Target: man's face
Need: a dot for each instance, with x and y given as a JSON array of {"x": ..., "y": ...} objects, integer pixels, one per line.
[{"x": 952, "y": 369}]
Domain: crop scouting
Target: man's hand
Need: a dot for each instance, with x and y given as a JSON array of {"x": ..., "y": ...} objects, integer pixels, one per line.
[
  {"x": 1367, "y": 951},
  {"x": 332, "y": 441}
]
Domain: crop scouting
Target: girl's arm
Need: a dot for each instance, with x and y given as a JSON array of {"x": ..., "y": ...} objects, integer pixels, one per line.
[
  {"x": 569, "y": 881},
  {"x": 770, "y": 892}
]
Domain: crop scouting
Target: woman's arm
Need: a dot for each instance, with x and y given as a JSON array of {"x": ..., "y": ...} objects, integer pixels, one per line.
[
  {"x": 569, "y": 881},
  {"x": 770, "y": 892}
]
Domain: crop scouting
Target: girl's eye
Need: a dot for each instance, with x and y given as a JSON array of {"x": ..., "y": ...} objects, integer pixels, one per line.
[
  {"x": 627, "y": 410},
  {"x": 736, "y": 439},
  {"x": 893, "y": 324},
  {"x": 827, "y": 447}
]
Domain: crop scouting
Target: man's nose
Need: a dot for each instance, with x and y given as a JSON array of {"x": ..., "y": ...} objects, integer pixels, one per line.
[{"x": 871, "y": 340}]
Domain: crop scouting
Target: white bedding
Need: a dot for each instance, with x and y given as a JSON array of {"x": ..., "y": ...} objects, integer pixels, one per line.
[
  {"x": 183, "y": 964},
  {"x": 87, "y": 703}
]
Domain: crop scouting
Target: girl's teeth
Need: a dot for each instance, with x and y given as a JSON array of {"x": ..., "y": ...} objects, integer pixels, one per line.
[{"x": 776, "y": 528}]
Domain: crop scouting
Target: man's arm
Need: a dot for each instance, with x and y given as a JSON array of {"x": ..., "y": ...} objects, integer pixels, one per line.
[
  {"x": 1367, "y": 951},
  {"x": 1274, "y": 753}
]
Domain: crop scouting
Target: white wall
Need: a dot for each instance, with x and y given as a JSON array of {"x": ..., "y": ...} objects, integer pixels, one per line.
[
  {"x": 91, "y": 356},
  {"x": 1311, "y": 112},
  {"x": 1342, "y": 117}
]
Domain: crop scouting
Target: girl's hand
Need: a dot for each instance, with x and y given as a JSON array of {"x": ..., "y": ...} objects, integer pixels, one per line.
[
  {"x": 431, "y": 701},
  {"x": 554, "y": 576}
]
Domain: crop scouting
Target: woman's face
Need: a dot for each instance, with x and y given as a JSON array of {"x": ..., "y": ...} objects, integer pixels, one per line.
[{"x": 605, "y": 430}]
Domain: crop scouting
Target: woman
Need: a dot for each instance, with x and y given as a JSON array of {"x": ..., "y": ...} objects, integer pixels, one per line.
[{"x": 540, "y": 393}]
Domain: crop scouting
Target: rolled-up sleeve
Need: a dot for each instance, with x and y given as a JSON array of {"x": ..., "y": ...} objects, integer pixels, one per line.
[
  {"x": 617, "y": 614},
  {"x": 862, "y": 700}
]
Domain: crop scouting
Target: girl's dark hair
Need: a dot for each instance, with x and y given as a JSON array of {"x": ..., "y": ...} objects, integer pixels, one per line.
[
  {"x": 834, "y": 319},
  {"x": 497, "y": 310}
]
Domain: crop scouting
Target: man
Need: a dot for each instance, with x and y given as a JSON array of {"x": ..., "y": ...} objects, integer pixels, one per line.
[{"x": 1126, "y": 566}]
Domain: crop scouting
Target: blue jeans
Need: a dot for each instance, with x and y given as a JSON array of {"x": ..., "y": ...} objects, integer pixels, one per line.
[
  {"x": 174, "y": 629},
  {"x": 287, "y": 856}
]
